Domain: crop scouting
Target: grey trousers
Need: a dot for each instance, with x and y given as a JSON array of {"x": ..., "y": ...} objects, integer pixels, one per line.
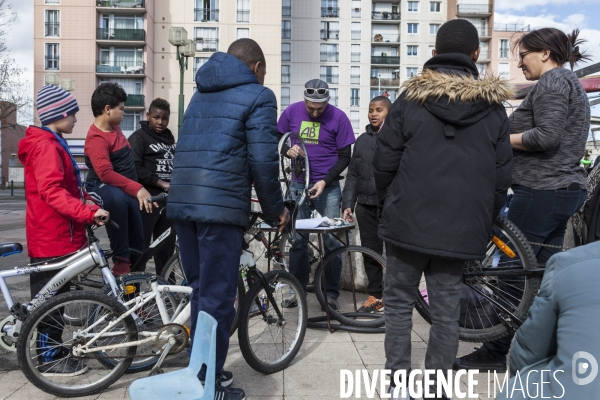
[{"x": 444, "y": 287}]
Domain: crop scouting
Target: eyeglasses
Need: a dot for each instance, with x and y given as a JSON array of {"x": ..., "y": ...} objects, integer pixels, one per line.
[
  {"x": 317, "y": 91},
  {"x": 523, "y": 54}
]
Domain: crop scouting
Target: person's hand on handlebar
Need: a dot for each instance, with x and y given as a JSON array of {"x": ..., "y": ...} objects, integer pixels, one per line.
[
  {"x": 295, "y": 151},
  {"x": 348, "y": 217},
  {"x": 317, "y": 189},
  {"x": 283, "y": 219},
  {"x": 142, "y": 195},
  {"x": 100, "y": 216}
]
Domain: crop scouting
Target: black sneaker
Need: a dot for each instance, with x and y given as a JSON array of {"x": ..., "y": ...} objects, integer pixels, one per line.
[
  {"x": 226, "y": 393},
  {"x": 225, "y": 377},
  {"x": 333, "y": 303},
  {"x": 481, "y": 360},
  {"x": 63, "y": 367}
]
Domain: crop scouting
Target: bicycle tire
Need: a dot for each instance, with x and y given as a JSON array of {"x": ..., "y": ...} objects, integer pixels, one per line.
[
  {"x": 102, "y": 303},
  {"x": 149, "y": 314},
  {"x": 288, "y": 167},
  {"x": 532, "y": 285},
  {"x": 248, "y": 329},
  {"x": 369, "y": 322},
  {"x": 173, "y": 274}
]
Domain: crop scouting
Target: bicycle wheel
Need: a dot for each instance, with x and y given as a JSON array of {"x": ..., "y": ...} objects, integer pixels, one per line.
[
  {"x": 44, "y": 359},
  {"x": 293, "y": 170},
  {"x": 174, "y": 275},
  {"x": 351, "y": 256},
  {"x": 483, "y": 320},
  {"x": 269, "y": 344},
  {"x": 135, "y": 283}
]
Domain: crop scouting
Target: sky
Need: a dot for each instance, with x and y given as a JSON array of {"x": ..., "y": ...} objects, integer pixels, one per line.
[{"x": 562, "y": 14}]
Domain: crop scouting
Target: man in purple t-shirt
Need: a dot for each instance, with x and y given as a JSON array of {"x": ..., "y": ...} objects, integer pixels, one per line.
[{"x": 328, "y": 136}]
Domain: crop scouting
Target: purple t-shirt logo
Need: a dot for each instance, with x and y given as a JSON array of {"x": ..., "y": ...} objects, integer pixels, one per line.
[{"x": 309, "y": 132}]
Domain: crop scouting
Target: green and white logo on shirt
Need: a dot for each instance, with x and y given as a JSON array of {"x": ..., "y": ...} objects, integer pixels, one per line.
[{"x": 309, "y": 132}]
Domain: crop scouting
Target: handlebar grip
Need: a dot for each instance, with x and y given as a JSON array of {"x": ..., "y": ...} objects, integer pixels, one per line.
[{"x": 160, "y": 198}]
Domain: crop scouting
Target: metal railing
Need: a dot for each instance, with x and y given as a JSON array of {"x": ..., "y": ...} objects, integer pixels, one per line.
[
  {"x": 356, "y": 13},
  {"x": 286, "y": 11},
  {"x": 286, "y": 55},
  {"x": 484, "y": 32},
  {"x": 207, "y": 44},
  {"x": 120, "y": 34},
  {"x": 512, "y": 27},
  {"x": 121, "y": 3},
  {"x": 387, "y": 60},
  {"x": 52, "y": 62},
  {"x": 206, "y": 14},
  {"x": 354, "y": 101},
  {"x": 285, "y": 101},
  {"x": 503, "y": 53},
  {"x": 243, "y": 15},
  {"x": 355, "y": 35},
  {"x": 474, "y": 8},
  {"x": 483, "y": 56},
  {"x": 330, "y": 12},
  {"x": 385, "y": 82},
  {"x": 354, "y": 57},
  {"x": 135, "y": 100},
  {"x": 330, "y": 78},
  {"x": 379, "y": 38},
  {"x": 354, "y": 79},
  {"x": 52, "y": 29},
  {"x": 329, "y": 34},
  {"x": 52, "y": 2},
  {"x": 121, "y": 67},
  {"x": 286, "y": 33},
  {"x": 330, "y": 56},
  {"x": 285, "y": 78},
  {"x": 385, "y": 16}
]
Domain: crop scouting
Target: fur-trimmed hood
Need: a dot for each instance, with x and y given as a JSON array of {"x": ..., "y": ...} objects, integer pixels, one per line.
[{"x": 450, "y": 89}]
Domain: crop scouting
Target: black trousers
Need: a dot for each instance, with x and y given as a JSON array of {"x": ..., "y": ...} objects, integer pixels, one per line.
[
  {"x": 366, "y": 217},
  {"x": 155, "y": 224},
  {"x": 49, "y": 332}
]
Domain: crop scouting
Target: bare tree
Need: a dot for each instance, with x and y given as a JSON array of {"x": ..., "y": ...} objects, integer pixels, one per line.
[{"x": 14, "y": 89}]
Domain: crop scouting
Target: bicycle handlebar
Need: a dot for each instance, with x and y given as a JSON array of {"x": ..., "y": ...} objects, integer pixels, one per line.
[
  {"x": 109, "y": 221},
  {"x": 159, "y": 198}
]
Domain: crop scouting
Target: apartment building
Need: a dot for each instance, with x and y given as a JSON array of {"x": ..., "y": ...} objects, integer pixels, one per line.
[{"x": 503, "y": 61}]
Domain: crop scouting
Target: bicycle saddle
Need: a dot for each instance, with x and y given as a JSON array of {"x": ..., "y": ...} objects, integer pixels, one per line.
[{"x": 6, "y": 249}]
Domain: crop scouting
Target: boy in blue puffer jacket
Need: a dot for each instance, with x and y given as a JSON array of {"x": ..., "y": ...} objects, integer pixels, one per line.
[{"x": 228, "y": 142}]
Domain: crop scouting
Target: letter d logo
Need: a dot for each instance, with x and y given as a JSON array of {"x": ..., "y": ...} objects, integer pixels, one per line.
[{"x": 582, "y": 367}]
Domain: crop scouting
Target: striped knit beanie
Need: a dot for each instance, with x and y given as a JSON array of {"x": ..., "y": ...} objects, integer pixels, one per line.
[{"x": 54, "y": 103}]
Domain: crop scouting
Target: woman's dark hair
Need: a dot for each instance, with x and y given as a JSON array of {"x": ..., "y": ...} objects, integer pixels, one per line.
[
  {"x": 563, "y": 48},
  {"x": 108, "y": 93},
  {"x": 160, "y": 104}
]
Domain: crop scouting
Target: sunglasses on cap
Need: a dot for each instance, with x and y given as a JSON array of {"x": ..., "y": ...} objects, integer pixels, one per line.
[{"x": 317, "y": 91}]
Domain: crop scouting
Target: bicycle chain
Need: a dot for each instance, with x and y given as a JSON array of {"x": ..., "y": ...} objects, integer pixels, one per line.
[
  {"x": 550, "y": 245},
  {"x": 178, "y": 349}
]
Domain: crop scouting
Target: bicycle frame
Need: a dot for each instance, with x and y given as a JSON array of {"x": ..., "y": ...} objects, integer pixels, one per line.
[{"x": 154, "y": 248}]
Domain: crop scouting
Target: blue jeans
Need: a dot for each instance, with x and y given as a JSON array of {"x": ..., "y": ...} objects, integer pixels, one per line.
[
  {"x": 210, "y": 257},
  {"x": 542, "y": 216},
  {"x": 328, "y": 204}
]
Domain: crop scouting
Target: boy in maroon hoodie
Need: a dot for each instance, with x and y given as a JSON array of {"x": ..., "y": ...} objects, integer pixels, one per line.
[{"x": 57, "y": 206}]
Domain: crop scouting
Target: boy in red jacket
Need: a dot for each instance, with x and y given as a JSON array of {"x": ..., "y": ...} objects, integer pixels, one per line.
[{"x": 57, "y": 206}]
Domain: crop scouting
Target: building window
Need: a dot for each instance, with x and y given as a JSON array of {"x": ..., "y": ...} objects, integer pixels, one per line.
[
  {"x": 207, "y": 39},
  {"x": 285, "y": 74},
  {"x": 206, "y": 10},
  {"x": 503, "y": 48},
  {"x": 286, "y": 51},
  {"x": 333, "y": 97},
  {"x": 52, "y": 56},
  {"x": 354, "y": 97},
  {"x": 243, "y": 33},
  {"x": 355, "y": 75},
  {"x": 434, "y": 6},
  {"x": 433, "y": 28},
  {"x": 198, "y": 62},
  {"x": 411, "y": 71},
  {"x": 504, "y": 70},
  {"x": 413, "y": 28},
  {"x": 131, "y": 122},
  {"x": 330, "y": 74},
  {"x": 330, "y": 30},
  {"x": 286, "y": 8},
  {"x": 330, "y": 8},
  {"x": 355, "y": 119},
  {"x": 130, "y": 86},
  {"x": 285, "y": 96},
  {"x": 412, "y": 50},
  {"x": 286, "y": 29},
  {"x": 356, "y": 8},
  {"x": 243, "y": 10},
  {"x": 355, "y": 31},
  {"x": 329, "y": 52},
  {"x": 51, "y": 1},
  {"x": 413, "y": 6},
  {"x": 52, "y": 23},
  {"x": 355, "y": 53}
]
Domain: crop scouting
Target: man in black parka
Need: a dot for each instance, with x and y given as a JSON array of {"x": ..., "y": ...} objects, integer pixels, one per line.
[{"x": 442, "y": 169}]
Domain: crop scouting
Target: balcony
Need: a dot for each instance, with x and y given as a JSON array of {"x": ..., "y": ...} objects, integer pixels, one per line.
[
  {"x": 330, "y": 78},
  {"x": 325, "y": 34},
  {"x": 379, "y": 38},
  {"x": 474, "y": 10},
  {"x": 206, "y": 14},
  {"x": 135, "y": 101},
  {"x": 385, "y": 16},
  {"x": 124, "y": 6},
  {"x": 330, "y": 12},
  {"x": 512, "y": 27},
  {"x": 120, "y": 35},
  {"x": 385, "y": 82},
  {"x": 385, "y": 60},
  {"x": 243, "y": 16},
  {"x": 483, "y": 57},
  {"x": 121, "y": 67},
  {"x": 207, "y": 45},
  {"x": 52, "y": 29},
  {"x": 484, "y": 33},
  {"x": 327, "y": 56}
]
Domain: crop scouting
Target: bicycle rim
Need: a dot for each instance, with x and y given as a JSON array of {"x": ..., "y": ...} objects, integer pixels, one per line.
[{"x": 293, "y": 169}]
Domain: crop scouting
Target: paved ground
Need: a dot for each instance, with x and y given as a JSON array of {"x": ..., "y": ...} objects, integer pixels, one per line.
[{"x": 314, "y": 374}]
